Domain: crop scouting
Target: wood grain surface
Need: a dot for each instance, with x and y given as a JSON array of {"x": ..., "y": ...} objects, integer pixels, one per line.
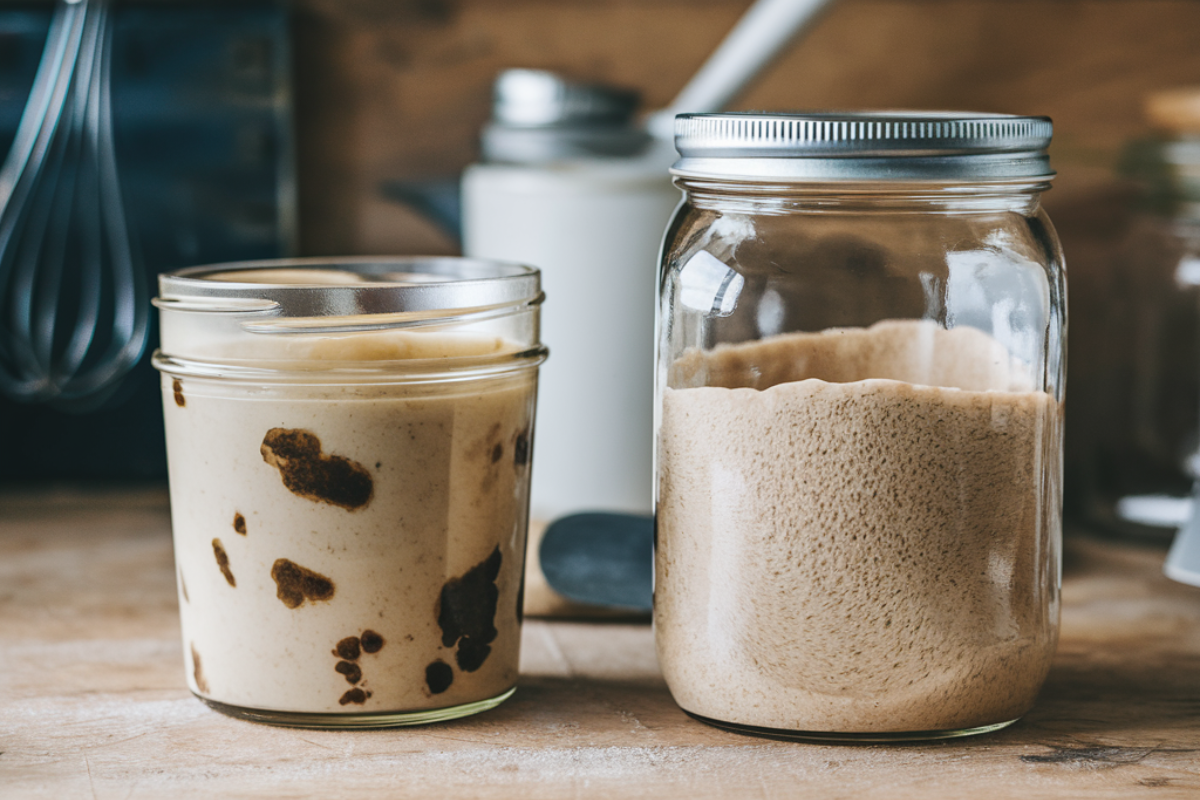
[{"x": 93, "y": 702}]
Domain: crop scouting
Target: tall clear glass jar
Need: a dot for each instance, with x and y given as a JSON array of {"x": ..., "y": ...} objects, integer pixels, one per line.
[{"x": 860, "y": 373}]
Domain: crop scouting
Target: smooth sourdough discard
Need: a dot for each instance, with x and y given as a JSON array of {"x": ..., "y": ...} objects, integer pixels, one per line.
[
  {"x": 351, "y": 548},
  {"x": 857, "y": 532}
]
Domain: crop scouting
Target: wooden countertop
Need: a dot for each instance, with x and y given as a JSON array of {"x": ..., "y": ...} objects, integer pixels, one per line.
[{"x": 93, "y": 701}]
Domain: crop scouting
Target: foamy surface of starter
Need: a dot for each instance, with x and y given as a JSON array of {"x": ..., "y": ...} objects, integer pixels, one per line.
[
  {"x": 317, "y": 351},
  {"x": 288, "y": 277},
  {"x": 866, "y": 540},
  {"x": 375, "y": 346},
  {"x": 319, "y": 347},
  {"x": 351, "y": 549}
]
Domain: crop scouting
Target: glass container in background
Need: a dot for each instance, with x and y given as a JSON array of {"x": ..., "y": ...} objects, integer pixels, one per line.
[
  {"x": 860, "y": 375},
  {"x": 349, "y": 452},
  {"x": 570, "y": 184},
  {"x": 1143, "y": 462}
]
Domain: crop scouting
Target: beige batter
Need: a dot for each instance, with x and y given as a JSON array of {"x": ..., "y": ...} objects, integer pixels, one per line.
[
  {"x": 351, "y": 549},
  {"x": 866, "y": 540}
]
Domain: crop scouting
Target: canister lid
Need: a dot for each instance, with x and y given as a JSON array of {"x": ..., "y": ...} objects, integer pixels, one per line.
[
  {"x": 863, "y": 146},
  {"x": 539, "y": 117},
  {"x": 538, "y": 97}
]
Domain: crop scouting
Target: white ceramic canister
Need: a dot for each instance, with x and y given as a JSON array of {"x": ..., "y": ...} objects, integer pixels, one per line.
[{"x": 569, "y": 185}]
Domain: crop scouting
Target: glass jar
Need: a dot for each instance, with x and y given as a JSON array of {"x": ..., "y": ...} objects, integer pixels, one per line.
[
  {"x": 1132, "y": 453},
  {"x": 349, "y": 449},
  {"x": 860, "y": 370}
]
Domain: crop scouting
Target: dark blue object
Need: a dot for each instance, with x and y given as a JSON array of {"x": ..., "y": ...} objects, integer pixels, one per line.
[
  {"x": 202, "y": 126},
  {"x": 602, "y": 559}
]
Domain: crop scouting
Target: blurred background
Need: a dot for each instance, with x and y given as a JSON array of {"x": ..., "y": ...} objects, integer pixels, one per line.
[{"x": 256, "y": 129}]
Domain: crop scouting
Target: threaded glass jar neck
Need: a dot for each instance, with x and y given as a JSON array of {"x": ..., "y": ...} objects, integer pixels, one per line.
[{"x": 924, "y": 196}]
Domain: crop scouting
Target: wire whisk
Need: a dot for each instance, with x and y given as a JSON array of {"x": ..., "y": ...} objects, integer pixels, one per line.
[{"x": 74, "y": 311}]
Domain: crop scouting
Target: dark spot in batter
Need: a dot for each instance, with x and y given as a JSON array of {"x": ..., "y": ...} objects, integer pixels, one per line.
[
  {"x": 438, "y": 677},
  {"x": 354, "y": 696},
  {"x": 223, "y": 561},
  {"x": 521, "y": 599},
  {"x": 297, "y": 584},
  {"x": 352, "y": 671},
  {"x": 497, "y": 452},
  {"x": 378, "y": 464},
  {"x": 467, "y": 612},
  {"x": 313, "y": 475},
  {"x": 347, "y": 648},
  {"x": 180, "y": 400},
  {"x": 372, "y": 642},
  {"x": 239, "y": 523},
  {"x": 471, "y": 654},
  {"x": 521, "y": 449},
  {"x": 198, "y": 672}
]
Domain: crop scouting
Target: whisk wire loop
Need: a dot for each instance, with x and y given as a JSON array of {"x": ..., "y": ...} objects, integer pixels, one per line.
[{"x": 74, "y": 310}]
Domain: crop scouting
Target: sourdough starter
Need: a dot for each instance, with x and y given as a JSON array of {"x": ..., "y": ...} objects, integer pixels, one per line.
[
  {"x": 857, "y": 532},
  {"x": 351, "y": 548}
]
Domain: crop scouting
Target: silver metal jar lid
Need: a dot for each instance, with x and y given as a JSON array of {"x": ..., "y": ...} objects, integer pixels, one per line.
[{"x": 863, "y": 146}]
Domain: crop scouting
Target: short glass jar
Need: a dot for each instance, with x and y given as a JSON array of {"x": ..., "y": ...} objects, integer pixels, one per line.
[
  {"x": 860, "y": 373},
  {"x": 349, "y": 454}
]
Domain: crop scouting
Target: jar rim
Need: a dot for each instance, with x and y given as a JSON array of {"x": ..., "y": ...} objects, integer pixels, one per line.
[{"x": 369, "y": 290}]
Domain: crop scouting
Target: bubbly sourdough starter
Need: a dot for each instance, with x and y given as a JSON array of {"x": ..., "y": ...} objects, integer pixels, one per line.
[
  {"x": 865, "y": 541},
  {"x": 351, "y": 549}
]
